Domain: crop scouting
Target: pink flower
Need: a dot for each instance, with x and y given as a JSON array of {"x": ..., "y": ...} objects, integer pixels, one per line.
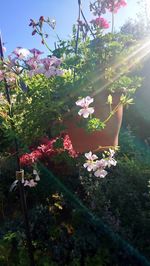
[
  {"x": 35, "y": 52},
  {"x": 49, "y": 67},
  {"x": 30, "y": 183},
  {"x": 53, "y": 61},
  {"x": 48, "y": 73},
  {"x": 100, "y": 173},
  {"x": 25, "y": 159},
  {"x": 68, "y": 146},
  {"x": 86, "y": 110},
  {"x": 32, "y": 63},
  {"x": 116, "y": 5},
  {"x": 35, "y": 155},
  {"x": 100, "y": 22},
  {"x": 99, "y": 168},
  {"x": 110, "y": 160},
  {"x": 21, "y": 53},
  {"x": 90, "y": 164}
]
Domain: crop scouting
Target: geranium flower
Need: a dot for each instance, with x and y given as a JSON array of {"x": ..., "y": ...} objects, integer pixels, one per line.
[
  {"x": 32, "y": 63},
  {"x": 35, "y": 52},
  {"x": 99, "y": 168},
  {"x": 21, "y": 53},
  {"x": 116, "y": 5},
  {"x": 37, "y": 177},
  {"x": 86, "y": 110},
  {"x": 90, "y": 163},
  {"x": 110, "y": 160},
  {"x": 30, "y": 183},
  {"x": 100, "y": 22},
  {"x": 49, "y": 67},
  {"x": 25, "y": 159},
  {"x": 68, "y": 146}
]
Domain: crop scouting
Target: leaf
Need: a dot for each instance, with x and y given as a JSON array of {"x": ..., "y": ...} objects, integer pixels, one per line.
[{"x": 95, "y": 124}]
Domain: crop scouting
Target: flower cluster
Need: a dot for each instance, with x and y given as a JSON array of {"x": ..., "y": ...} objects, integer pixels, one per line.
[
  {"x": 29, "y": 60},
  {"x": 98, "y": 166},
  {"x": 100, "y": 7},
  {"x": 84, "y": 103},
  {"x": 100, "y": 22},
  {"x": 30, "y": 181},
  {"x": 114, "y": 6},
  {"x": 47, "y": 150},
  {"x": 37, "y": 25},
  {"x": 33, "y": 181}
]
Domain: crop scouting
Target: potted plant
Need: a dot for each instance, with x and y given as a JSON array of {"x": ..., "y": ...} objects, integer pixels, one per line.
[{"x": 81, "y": 87}]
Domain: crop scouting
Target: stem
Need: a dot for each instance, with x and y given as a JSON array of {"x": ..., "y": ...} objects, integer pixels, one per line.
[
  {"x": 43, "y": 39},
  {"x": 21, "y": 187},
  {"x": 87, "y": 24},
  {"x": 113, "y": 22},
  {"x": 112, "y": 113},
  {"x": 78, "y": 29},
  {"x": 113, "y": 18},
  {"x": 45, "y": 43},
  {"x": 77, "y": 36}
]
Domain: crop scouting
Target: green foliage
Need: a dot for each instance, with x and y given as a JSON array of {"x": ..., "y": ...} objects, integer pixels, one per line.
[
  {"x": 62, "y": 234},
  {"x": 125, "y": 83},
  {"x": 95, "y": 124}
]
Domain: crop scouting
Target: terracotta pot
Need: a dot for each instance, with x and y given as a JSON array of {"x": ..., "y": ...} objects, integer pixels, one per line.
[{"x": 83, "y": 141}]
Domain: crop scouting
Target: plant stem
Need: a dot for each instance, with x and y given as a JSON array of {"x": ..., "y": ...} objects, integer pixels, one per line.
[
  {"x": 112, "y": 113},
  {"x": 43, "y": 39},
  {"x": 78, "y": 29},
  {"x": 113, "y": 22},
  {"x": 87, "y": 23},
  {"x": 21, "y": 187}
]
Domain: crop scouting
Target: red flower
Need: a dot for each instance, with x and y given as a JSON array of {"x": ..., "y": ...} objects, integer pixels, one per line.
[
  {"x": 68, "y": 146},
  {"x": 47, "y": 151},
  {"x": 35, "y": 155},
  {"x": 100, "y": 22},
  {"x": 25, "y": 160}
]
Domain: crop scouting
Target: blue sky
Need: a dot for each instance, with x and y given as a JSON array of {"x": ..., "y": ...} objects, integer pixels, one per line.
[{"x": 15, "y": 16}]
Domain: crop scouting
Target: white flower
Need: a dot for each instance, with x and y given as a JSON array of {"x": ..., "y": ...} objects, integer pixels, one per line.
[
  {"x": 100, "y": 173},
  {"x": 84, "y": 101},
  {"x": 30, "y": 183},
  {"x": 37, "y": 178},
  {"x": 86, "y": 110},
  {"x": 110, "y": 159},
  {"x": 99, "y": 168},
  {"x": 111, "y": 152},
  {"x": 90, "y": 164},
  {"x": 21, "y": 52},
  {"x": 91, "y": 156}
]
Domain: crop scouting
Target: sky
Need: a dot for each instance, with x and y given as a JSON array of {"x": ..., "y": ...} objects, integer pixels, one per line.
[{"x": 15, "y": 16}]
